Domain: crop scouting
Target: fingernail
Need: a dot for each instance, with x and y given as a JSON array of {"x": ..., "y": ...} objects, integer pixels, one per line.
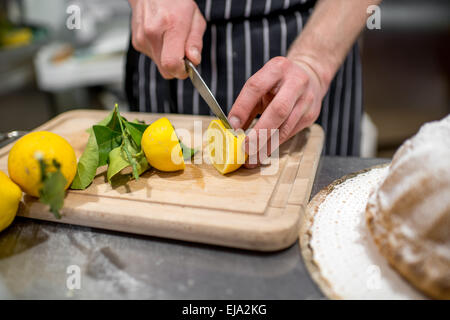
[
  {"x": 235, "y": 122},
  {"x": 195, "y": 53}
]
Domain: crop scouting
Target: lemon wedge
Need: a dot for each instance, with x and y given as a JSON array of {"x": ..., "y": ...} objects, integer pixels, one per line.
[
  {"x": 224, "y": 148},
  {"x": 162, "y": 147}
]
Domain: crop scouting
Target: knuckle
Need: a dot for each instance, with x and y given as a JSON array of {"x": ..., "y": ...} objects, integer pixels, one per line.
[
  {"x": 309, "y": 98},
  {"x": 150, "y": 30},
  {"x": 303, "y": 80},
  {"x": 203, "y": 24},
  {"x": 285, "y": 131},
  {"x": 137, "y": 40},
  {"x": 168, "y": 20},
  {"x": 309, "y": 118},
  {"x": 135, "y": 43},
  {"x": 165, "y": 76},
  {"x": 279, "y": 62},
  {"x": 169, "y": 63},
  {"x": 254, "y": 84},
  {"x": 282, "y": 108}
]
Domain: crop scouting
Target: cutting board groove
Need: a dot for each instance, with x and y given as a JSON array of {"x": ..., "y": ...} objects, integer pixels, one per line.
[{"x": 245, "y": 209}]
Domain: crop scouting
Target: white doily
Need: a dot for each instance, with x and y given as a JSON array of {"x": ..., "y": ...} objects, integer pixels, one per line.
[{"x": 343, "y": 249}]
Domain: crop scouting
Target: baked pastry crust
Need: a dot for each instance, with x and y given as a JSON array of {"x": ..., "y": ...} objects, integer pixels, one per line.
[{"x": 409, "y": 214}]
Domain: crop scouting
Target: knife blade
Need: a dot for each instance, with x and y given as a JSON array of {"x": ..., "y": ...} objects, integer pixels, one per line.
[{"x": 206, "y": 94}]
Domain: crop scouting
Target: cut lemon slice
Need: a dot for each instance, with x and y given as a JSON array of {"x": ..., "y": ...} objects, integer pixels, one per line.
[{"x": 224, "y": 148}]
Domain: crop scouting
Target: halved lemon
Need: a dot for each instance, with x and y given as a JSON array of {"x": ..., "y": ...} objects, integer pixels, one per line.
[
  {"x": 162, "y": 147},
  {"x": 224, "y": 148}
]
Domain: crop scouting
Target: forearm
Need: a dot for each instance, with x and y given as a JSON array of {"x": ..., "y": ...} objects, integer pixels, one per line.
[{"x": 330, "y": 32}]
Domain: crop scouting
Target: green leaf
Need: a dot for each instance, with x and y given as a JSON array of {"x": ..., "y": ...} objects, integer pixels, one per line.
[
  {"x": 105, "y": 121},
  {"x": 128, "y": 148},
  {"x": 188, "y": 153},
  {"x": 135, "y": 130},
  {"x": 140, "y": 125},
  {"x": 137, "y": 121},
  {"x": 118, "y": 161},
  {"x": 107, "y": 139},
  {"x": 87, "y": 165},
  {"x": 142, "y": 164},
  {"x": 53, "y": 187},
  {"x": 112, "y": 120},
  {"x": 114, "y": 141}
]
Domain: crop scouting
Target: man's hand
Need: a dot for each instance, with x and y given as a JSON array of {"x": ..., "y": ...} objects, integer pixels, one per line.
[
  {"x": 167, "y": 31},
  {"x": 288, "y": 96},
  {"x": 288, "y": 91}
]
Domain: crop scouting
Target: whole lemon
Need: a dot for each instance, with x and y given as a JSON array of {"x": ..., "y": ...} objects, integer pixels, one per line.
[
  {"x": 162, "y": 147},
  {"x": 23, "y": 164},
  {"x": 10, "y": 195}
]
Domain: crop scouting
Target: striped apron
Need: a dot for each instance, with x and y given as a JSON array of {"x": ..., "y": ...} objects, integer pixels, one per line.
[{"x": 241, "y": 36}]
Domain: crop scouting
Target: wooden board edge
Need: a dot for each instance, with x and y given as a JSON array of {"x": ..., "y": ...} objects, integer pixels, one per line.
[
  {"x": 309, "y": 160},
  {"x": 255, "y": 233},
  {"x": 312, "y": 152}
]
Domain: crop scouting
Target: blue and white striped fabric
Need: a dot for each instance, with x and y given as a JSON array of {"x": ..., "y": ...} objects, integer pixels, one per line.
[{"x": 241, "y": 36}]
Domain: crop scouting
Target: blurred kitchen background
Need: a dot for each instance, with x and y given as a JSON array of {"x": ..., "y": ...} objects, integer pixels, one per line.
[{"x": 46, "y": 69}]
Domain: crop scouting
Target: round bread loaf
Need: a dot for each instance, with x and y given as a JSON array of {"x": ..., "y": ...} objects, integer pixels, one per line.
[{"x": 409, "y": 214}]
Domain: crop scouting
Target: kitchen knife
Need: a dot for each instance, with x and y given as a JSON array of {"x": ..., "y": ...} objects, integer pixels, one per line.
[{"x": 206, "y": 94}]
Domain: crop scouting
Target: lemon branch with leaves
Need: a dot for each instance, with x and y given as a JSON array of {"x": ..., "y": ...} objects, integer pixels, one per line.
[{"x": 115, "y": 142}]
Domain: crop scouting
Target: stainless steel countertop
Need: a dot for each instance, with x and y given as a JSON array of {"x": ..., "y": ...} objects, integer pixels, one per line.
[{"x": 35, "y": 255}]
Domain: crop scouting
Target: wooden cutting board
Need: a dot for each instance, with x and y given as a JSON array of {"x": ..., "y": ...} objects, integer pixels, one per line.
[{"x": 245, "y": 209}]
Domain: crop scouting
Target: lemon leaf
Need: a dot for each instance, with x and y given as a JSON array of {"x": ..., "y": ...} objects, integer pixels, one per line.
[
  {"x": 113, "y": 141},
  {"x": 112, "y": 121},
  {"x": 188, "y": 153},
  {"x": 126, "y": 148},
  {"x": 135, "y": 130},
  {"x": 87, "y": 165},
  {"x": 52, "y": 192},
  {"x": 142, "y": 164},
  {"x": 107, "y": 139},
  {"x": 118, "y": 161}
]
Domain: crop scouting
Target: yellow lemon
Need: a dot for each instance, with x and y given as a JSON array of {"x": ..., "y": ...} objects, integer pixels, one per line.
[
  {"x": 162, "y": 147},
  {"x": 10, "y": 195},
  {"x": 17, "y": 37},
  {"x": 224, "y": 148},
  {"x": 23, "y": 166}
]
